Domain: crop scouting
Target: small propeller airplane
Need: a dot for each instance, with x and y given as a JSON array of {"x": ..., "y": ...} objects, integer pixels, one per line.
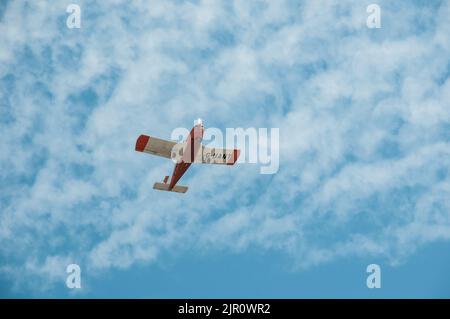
[{"x": 184, "y": 154}]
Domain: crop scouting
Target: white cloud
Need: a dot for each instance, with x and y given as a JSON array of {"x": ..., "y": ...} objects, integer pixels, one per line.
[{"x": 363, "y": 118}]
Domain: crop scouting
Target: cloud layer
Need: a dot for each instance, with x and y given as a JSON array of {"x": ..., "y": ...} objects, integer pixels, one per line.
[{"x": 364, "y": 120}]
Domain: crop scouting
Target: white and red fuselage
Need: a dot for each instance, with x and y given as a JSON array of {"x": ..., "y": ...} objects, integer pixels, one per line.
[
  {"x": 184, "y": 154},
  {"x": 193, "y": 145}
]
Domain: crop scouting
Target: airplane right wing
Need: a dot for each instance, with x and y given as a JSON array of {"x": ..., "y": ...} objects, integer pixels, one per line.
[
  {"x": 219, "y": 155},
  {"x": 155, "y": 146}
]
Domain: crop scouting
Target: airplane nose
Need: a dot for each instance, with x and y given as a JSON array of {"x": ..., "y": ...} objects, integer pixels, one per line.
[{"x": 199, "y": 122}]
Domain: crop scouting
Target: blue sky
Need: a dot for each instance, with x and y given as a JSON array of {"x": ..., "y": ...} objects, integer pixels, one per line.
[{"x": 364, "y": 123}]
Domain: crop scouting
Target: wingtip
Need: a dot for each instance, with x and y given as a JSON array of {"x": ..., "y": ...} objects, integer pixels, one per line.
[
  {"x": 236, "y": 154},
  {"x": 141, "y": 143}
]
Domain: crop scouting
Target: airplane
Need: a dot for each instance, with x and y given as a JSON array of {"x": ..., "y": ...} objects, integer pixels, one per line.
[{"x": 184, "y": 154}]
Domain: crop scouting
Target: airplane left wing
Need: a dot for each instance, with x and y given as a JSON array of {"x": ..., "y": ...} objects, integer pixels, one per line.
[
  {"x": 219, "y": 155},
  {"x": 155, "y": 146}
]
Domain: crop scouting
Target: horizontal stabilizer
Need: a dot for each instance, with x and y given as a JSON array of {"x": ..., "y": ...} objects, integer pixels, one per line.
[{"x": 165, "y": 187}]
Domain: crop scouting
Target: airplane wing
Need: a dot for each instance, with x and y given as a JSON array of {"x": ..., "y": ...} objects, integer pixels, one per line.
[
  {"x": 155, "y": 146},
  {"x": 219, "y": 155}
]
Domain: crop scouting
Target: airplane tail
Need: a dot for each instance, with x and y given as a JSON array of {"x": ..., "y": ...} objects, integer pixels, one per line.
[{"x": 165, "y": 187}]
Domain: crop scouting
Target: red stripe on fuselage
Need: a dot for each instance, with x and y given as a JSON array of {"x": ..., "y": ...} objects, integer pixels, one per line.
[
  {"x": 178, "y": 172},
  {"x": 193, "y": 145}
]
